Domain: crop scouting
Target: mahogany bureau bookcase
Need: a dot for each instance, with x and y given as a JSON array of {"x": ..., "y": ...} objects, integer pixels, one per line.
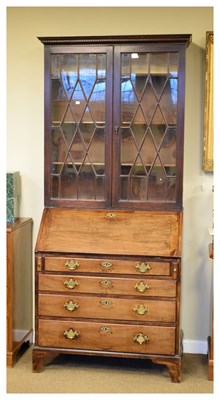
[{"x": 108, "y": 253}]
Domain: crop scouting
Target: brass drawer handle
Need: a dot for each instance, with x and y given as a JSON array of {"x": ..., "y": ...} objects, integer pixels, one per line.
[
  {"x": 141, "y": 287},
  {"x": 70, "y": 306},
  {"x": 141, "y": 309},
  {"x": 106, "y": 303},
  {"x": 143, "y": 267},
  {"x": 71, "y": 284},
  {"x": 105, "y": 329},
  {"x": 71, "y": 265},
  {"x": 106, "y": 264},
  {"x": 140, "y": 338},
  {"x": 106, "y": 283},
  {"x": 71, "y": 334}
]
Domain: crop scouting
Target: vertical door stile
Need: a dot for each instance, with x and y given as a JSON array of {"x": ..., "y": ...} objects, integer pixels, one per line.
[
  {"x": 109, "y": 125},
  {"x": 116, "y": 137}
]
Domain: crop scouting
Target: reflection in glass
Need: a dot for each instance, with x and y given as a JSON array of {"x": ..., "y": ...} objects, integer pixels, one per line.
[
  {"x": 149, "y": 86},
  {"x": 78, "y": 95}
]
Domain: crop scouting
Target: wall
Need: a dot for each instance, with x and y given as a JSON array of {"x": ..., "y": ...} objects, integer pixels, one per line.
[{"x": 25, "y": 124}]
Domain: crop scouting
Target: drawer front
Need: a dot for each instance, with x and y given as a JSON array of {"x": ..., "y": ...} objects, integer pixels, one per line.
[
  {"x": 109, "y": 285},
  {"x": 106, "y": 308},
  {"x": 106, "y": 337},
  {"x": 107, "y": 266}
]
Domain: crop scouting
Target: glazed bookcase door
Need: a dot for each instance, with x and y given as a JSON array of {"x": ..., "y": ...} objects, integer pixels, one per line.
[
  {"x": 78, "y": 126},
  {"x": 114, "y": 123},
  {"x": 149, "y": 97}
]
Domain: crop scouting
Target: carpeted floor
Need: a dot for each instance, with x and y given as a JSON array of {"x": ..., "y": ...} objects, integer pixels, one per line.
[{"x": 80, "y": 374}]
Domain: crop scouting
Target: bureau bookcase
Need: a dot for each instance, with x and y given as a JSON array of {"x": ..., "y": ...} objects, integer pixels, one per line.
[{"x": 108, "y": 252}]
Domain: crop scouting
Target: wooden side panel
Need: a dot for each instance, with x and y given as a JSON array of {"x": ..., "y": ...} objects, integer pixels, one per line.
[{"x": 110, "y": 232}]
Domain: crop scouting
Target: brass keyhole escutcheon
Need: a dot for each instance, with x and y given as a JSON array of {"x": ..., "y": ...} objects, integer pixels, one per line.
[
  {"x": 105, "y": 329},
  {"x": 141, "y": 287},
  {"x": 106, "y": 303},
  {"x": 111, "y": 215},
  {"x": 106, "y": 264},
  {"x": 106, "y": 283}
]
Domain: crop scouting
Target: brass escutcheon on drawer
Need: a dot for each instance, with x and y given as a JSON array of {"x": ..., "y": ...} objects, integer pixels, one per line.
[
  {"x": 106, "y": 264},
  {"x": 106, "y": 283},
  {"x": 71, "y": 284},
  {"x": 143, "y": 267},
  {"x": 71, "y": 334},
  {"x": 140, "y": 338},
  {"x": 71, "y": 306},
  {"x": 105, "y": 329},
  {"x": 111, "y": 215},
  {"x": 141, "y": 287},
  {"x": 105, "y": 303},
  {"x": 71, "y": 265},
  {"x": 141, "y": 309}
]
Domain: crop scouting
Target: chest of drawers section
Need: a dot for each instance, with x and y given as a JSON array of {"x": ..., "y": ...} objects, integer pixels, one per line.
[
  {"x": 108, "y": 283},
  {"x": 107, "y": 305}
]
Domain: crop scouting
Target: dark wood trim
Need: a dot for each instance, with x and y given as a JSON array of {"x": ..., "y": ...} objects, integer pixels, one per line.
[{"x": 117, "y": 39}]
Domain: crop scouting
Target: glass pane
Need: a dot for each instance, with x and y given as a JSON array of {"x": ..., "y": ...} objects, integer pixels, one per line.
[
  {"x": 173, "y": 64},
  {"x": 96, "y": 150},
  {"x": 55, "y": 187},
  {"x": 171, "y": 189},
  {"x": 169, "y": 101},
  {"x": 124, "y": 186},
  {"x": 157, "y": 183},
  {"x": 68, "y": 129},
  {"x": 87, "y": 72},
  {"x": 68, "y": 178},
  {"x": 78, "y": 92},
  {"x": 138, "y": 188},
  {"x": 139, "y": 72},
  {"x": 125, "y": 66},
  {"x": 101, "y": 71},
  {"x": 97, "y": 101},
  {"x": 168, "y": 148},
  {"x": 148, "y": 150},
  {"x": 158, "y": 131},
  {"x": 86, "y": 184},
  {"x": 128, "y": 101},
  {"x": 149, "y": 103},
  {"x": 55, "y": 66},
  {"x": 69, "y": 72},
  {"x": 128, "y": 148},
  {"x": 59, "y": 151},
  {"x": 78, "y": 150},
  {"x": 78, "y": 102},
  {"x": 149, "y": 85},
  {"x": 159, "y": 63}
]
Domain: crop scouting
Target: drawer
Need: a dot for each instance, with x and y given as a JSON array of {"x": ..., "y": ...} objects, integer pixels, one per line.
[
  {"x": 110, "y": 285},
  {"x": 106, "y": 308},
  {"x": 62, "y": 264},
  {"x": 87, "y": 335}
]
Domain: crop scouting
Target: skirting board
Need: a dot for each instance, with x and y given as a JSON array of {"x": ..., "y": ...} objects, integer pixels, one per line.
[
  {"x": 19, "y": 334},
  {"x": 195, "y": 346}
]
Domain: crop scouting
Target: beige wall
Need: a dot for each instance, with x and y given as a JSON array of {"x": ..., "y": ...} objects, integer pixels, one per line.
[{"x": 25, "y": 123}]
